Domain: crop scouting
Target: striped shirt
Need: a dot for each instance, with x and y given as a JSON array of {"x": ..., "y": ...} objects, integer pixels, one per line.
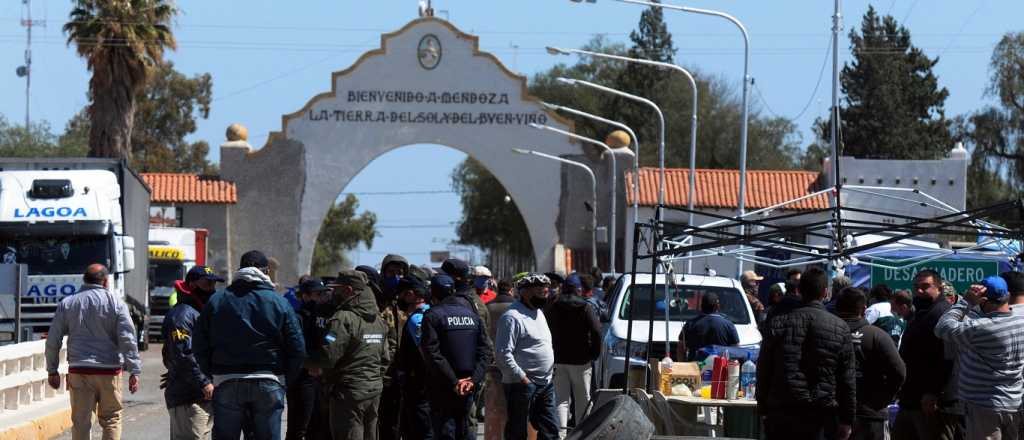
[{"x": 991, "y": 355}]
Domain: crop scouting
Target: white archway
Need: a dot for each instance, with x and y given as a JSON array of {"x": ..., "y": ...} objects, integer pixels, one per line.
[{"x": 427, "y": 84}]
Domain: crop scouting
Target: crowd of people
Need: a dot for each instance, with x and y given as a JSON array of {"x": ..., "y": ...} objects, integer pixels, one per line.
[
  {"x": 410, "y": 352},
  {"x": 836, "y": 362},
  {"x": 395, "y": 352}
]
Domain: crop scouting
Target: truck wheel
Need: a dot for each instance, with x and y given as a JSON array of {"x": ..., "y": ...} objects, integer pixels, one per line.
[{"x": 619, "y": 419}]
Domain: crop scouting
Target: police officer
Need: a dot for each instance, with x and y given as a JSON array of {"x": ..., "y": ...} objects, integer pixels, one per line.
[
  {"x": 307, "y": 419},
  {"x": 457, "y": 352},
  {"x": 355, "y": 355},
  {"x": 410, "y": 365}
]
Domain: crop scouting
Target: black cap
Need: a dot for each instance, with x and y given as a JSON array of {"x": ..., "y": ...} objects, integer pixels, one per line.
[
  {"x": 371, "y": 274},
  {"x": 202, "y": 273},
  {"x": 555, "y": 277},
  {"x": 311, "y": 285},
  {"x": 455, "y": 268},
  {"x": 254, "y": 259},
  {"x": 441, "y": 286}
]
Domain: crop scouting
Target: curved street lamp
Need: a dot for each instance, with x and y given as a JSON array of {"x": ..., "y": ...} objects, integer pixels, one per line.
[
  {"x": 693, "y": 121},
  {"x": 741, "y": 205},
  {"x": 593, "y": 187},
  {"x": 614, "y": 183}
]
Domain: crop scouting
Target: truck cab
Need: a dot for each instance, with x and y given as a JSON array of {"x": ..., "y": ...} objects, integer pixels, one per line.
[
  {"x": 58, "y": 222},
  {"x": 172, "y": 252}
]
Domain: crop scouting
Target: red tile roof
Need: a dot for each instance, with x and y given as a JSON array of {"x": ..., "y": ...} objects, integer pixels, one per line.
[
  {"x": 189, "y": 188},
  {"x": 719, "y": 188}
]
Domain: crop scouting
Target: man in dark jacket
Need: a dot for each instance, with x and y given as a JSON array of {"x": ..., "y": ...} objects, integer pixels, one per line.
[
  {"x": 307, "y": 417},
  {"x": 806, "y": 373},
  {"x": 457, "y": 352},
  {"x": 708, "y": 328},
  {"x": 576, "y": 338},
  {"x": 392, "y": 269},
  {"x": 880, "y": 371},
  {"x": 409, "y": 364},
  {"x": 460, "y": 273},
  {"x": 355, "y": 355},
  {"x": 249, "y": 340},
  {"x": 928, "y": 368},
  {"x": 188, "y": 390}
]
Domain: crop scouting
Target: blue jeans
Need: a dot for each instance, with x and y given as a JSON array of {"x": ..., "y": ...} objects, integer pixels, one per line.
[
  {"x": 533, "y": 404},
  {"x": 255, "y": 405}
]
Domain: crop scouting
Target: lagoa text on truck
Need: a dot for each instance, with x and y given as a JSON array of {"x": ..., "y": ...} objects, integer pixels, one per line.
[
  {"x": 50, "y": 212},
  {"x": 51, "y": 290}
]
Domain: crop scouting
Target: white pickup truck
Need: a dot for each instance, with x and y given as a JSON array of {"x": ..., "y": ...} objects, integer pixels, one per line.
[{"x": 684, "y": 299}]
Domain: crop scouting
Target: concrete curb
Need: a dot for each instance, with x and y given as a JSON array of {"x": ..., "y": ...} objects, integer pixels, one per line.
[{"x": 42, "y": 428}]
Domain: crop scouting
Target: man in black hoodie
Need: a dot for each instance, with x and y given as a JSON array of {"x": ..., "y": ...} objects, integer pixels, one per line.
[
  {"x": 880, "y": 371},
  {"x": 576, "y": 339},
  {"x": 806, "y": 373},
  {"x": 928, "y": 368}
]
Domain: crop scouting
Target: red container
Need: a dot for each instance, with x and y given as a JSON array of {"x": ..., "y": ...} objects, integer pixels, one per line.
[{"x": 719, "y": 376}]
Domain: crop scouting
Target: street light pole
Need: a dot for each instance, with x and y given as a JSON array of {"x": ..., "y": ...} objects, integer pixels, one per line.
[
  {"x": 632, "y": 137},
  {"x": 614, "y": 184},
  {"x": 640, "y": 99},
  {"x": 593, "y": 187},
  {"x": 741, "y": 202},
  {"x": 693, "y": 124}
]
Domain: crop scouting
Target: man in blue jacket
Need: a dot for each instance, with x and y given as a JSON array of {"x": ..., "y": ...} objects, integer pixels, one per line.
[
  {"x": 457, "y": 352},
  {"x": 249, "y": 340},
  {"x": 188, "y": 391}
]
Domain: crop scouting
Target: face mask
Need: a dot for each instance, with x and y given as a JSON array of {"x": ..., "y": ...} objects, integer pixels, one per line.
[
  {"x": 922, "y": 302},
  {"x": 389, "y": 283},
  {"x": 480, "y": 283},
  {"x": 538, "y": 302}
]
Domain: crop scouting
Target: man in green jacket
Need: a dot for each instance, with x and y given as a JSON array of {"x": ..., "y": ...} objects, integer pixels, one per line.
[{"x": 356, "y": 354}]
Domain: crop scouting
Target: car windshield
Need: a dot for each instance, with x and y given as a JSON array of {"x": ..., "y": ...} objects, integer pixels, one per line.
[
  {"x": 165, "y": 273},
  {"x": 56, "y": 255},
  {"x": 684, "y": 303}
]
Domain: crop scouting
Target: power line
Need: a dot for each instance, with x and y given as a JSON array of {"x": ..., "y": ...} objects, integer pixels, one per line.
[
  {"x": 814, "y": 93},
  {"x": 963, "y": 26},
  {"x": 399, "y": 193},
  {"x": 447, "y": 225}
]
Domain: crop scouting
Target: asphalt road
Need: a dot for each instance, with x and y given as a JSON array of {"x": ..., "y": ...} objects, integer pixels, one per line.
[{"x": 145, "y": 415}]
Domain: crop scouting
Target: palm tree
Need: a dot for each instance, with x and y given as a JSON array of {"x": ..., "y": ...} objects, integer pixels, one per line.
[{"x": 121, "y": 42}]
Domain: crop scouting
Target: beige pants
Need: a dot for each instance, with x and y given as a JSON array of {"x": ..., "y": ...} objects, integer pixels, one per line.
[
  {"x": 95, "y": 393},
  {"x": 191, "y": 422},
  {"x": 988, "y": 424},
  {"x": 572, "y": 382}
]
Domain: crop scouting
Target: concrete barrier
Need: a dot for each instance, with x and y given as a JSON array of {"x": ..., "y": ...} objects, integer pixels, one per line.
[{"x": 29, "y": 408}]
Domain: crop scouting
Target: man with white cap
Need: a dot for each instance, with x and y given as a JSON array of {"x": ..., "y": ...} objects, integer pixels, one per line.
[
  {"x": 750, "y": 281},
  {"x": 482, "y": 283}
]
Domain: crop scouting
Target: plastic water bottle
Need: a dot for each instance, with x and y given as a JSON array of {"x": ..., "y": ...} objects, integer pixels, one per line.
[
  {"x": 707, "y": 369},
  {"x": 748, "y": 378}
]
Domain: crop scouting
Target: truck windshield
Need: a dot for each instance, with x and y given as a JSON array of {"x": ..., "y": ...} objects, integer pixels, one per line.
[
  {"x": 56, "y": 255},
  {"x": 165, "y": 273},
  {"x": 684, "y": 303}
]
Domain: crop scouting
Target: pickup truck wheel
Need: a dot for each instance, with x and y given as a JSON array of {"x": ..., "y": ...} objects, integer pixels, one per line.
[{"x": 619, "y": 419}]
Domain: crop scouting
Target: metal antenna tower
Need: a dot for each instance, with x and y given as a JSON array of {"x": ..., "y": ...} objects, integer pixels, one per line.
[{"x": 26, "y": 70}]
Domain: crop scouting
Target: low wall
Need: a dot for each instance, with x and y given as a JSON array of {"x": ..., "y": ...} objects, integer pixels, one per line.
[{"x": 29, "y": 408}]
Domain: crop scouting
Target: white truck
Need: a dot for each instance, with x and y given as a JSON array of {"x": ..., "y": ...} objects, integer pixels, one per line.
[
  {"x": 58, "y": 216},
  {"x": 685, "y": 295},
  {"x": 172, "y": 252}
]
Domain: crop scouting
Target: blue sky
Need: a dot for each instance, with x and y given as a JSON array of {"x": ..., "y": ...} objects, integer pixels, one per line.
[{"x": 268, "y": 58}]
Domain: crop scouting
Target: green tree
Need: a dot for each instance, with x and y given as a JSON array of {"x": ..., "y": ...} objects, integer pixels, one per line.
[
  {"x": 38, "y": 140},
  {"x": 165, "y": 114},
  {"x": 122, "y": 42},
  {"x": 488, "y": 220},
  {"x": 342, "y": 231},
  {"x": 892, "y": 106},
  {"x": 651, "y": 41},
  {"x": 998, "y": 130}
]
